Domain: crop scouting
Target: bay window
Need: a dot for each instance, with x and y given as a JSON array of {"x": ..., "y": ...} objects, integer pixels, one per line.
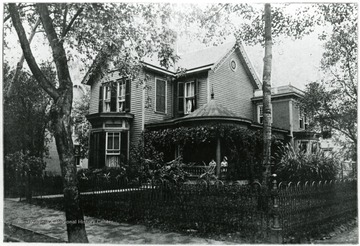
[{"x": 116, "y": 148}]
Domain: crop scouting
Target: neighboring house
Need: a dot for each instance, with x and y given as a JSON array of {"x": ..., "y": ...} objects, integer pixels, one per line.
[
  {"x": 53, "y": 162},
  {"x": 217, "y": 84}
]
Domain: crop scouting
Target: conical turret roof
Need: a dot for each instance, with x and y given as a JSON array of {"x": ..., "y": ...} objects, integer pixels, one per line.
[{"x": 213, "y": 109}]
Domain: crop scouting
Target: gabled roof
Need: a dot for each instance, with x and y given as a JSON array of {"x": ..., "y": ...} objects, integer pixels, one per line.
[{"x": 196, "y": 61}]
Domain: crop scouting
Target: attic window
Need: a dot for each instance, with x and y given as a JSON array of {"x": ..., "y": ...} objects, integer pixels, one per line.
[{"x": 233, "y": 64}]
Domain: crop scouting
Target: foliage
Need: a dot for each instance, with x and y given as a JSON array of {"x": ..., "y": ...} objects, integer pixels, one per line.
[
  {"x": 208, "y": 174},
  {"x": 244, "y": 145},
  {"x": 19, "y": 169},
  {"x": 144, "y": 158},
  {"x": 171, "y": 173},
  {"x": 28, "y": 103},
  {"x": 105, "y": 174},
  {"x": 296, "y": 165},
  {"x": 81, "y": 124},
  {"x": 246, "y": 22},
  {"x": 332, "y": 102}
]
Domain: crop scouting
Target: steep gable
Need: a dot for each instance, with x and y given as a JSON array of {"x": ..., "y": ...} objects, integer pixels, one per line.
[{"x": 235, "y": 83}]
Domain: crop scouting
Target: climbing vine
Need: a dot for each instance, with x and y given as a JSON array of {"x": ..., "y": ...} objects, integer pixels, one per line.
[{"x": 242, "y": 146}]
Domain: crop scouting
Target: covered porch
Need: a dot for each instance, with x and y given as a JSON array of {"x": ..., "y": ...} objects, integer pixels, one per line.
[{"x": 212, "y": 132}]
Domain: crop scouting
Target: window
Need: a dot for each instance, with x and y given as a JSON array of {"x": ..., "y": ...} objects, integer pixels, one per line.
[
  {"x": 189, "y": 97},
  {"x": 113, "y": 149},
  {"x": 233, "y": 65},
  {"x": 260, "y": 116},
  {"x": 115, "y": 96},
  {"x": 77, "y": 154},
  {"x": 121, "y": 96},
  {"x": 186, "y": 94},
  {"x": 303, "y": 146},
  {"x": 303, "y": 124},
  {"x": 160, "y": 100},
  {"x": 116, "y": 148}
]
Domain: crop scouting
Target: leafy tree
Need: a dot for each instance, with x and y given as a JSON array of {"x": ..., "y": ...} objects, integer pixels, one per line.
[
  {"x": 332, "y": 102},
  {"x": 130, "y": 31},
  {"x": 81, "y": 124},
  {"x": 27, "y": 103}
]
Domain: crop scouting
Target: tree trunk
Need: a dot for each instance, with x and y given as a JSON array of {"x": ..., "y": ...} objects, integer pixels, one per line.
[
  {"x": 266, "y": 87},
  {"x": 60, "y": 115},
  {"x": 61, "y": 123}
]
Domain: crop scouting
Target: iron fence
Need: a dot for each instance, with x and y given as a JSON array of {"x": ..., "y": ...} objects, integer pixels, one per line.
[
  {"x": 202, "y": 207},
  {"x": 305, "y": 206},
  {"x": 252, "y": 210}
]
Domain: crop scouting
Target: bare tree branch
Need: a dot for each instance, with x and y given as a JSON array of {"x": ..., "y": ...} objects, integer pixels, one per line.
[
  {"x": 64, "y": 20},
  {"x": 72, "y": 21},
  {"x": 40, "y": 77},
  {"x": 20, "y": 64}
]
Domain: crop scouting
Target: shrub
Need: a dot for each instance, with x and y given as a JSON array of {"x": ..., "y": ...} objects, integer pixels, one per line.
[
  {"x": 171, "y": 172},
  {"x": 296, "y": 165},
  {"x": 19, "y": 169}
]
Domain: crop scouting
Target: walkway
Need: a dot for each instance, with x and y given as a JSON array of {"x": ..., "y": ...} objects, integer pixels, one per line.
[
  {"x": 346, "y": 237},
  {"x": 51, "y": 222}
]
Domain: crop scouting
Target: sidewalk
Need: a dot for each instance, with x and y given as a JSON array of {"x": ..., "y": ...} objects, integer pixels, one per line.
[
  {"x": 347, "y": 237},
  {"x": 51, "y": 222}
]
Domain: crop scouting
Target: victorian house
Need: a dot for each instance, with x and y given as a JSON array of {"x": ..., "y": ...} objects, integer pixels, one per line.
[{"x": 218, "y": 84}]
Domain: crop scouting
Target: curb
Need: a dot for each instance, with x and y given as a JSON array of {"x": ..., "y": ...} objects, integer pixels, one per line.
[{"x": 15, "y": 233}]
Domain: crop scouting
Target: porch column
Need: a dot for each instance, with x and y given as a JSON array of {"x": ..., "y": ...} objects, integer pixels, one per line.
[{"x": 218, "y": 156}]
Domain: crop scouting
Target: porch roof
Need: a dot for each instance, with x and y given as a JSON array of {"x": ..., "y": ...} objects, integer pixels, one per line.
[{"x": 212, "y": 108}]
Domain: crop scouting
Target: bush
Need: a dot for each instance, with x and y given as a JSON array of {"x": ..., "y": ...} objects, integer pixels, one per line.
[
  {"x": 299, "y": 166},
  {"x": 19, "y": 169}
]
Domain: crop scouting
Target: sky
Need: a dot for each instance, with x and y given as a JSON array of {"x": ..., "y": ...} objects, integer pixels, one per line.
[{"x": 294, "y": 62}]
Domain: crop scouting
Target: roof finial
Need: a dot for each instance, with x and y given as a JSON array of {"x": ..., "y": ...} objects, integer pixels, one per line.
[{"x": 212, "y": 91}]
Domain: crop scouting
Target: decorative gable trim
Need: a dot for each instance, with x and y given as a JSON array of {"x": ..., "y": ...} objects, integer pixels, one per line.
[
  {"x": 249, "y": 66},
  {"x": 222, "y": 60},
  {"x": 243, "y": 57}
]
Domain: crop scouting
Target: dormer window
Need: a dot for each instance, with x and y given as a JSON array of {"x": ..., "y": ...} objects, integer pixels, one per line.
[{"x": 115, "y": 96}]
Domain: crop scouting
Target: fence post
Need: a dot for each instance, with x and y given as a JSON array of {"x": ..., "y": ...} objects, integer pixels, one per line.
[{"x": 275, "y": 228}]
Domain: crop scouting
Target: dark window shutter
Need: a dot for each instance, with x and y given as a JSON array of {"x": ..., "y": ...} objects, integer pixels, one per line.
[
  {"x": 124, "y": 146},
  {"x": 101, "y": 89},
  {"x": 160, "y": 95},
  {"x": 180, "y": 97},
  {"x": 97, "y": 150},
  {"x": 91, "y": 151},
  {"x": 101, "y": 144},
  {"x": 196, "y": 86},
  {"x": 113, "y": 97},
  {"x": 127, "y": 95}
]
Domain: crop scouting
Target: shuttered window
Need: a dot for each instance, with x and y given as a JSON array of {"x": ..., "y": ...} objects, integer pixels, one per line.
[
  {"x": 160, "y": 96},
  {"x": 115, "y": 96}
]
